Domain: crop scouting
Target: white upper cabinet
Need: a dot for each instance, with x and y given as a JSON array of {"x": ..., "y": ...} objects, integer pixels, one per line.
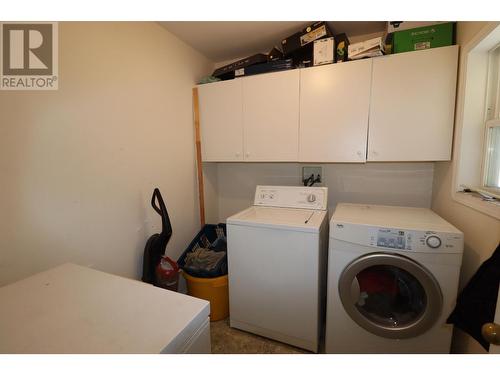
[
  {"x": 221, "y": 121},
  {"x": 271, "y": 116},
  {"x": 334, "y": 106},
  {"x": 392, "y": 108},
  {"x": 412, "y": 105}
]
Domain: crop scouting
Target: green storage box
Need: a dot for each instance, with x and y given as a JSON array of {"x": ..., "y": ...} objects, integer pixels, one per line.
[{"x": 438, "y": 35}]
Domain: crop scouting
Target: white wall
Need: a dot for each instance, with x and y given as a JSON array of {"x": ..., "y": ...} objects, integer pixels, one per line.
[
  {"x": 481, "y": 232},
  {"x": 78, "y": 165},
  {"x": 405, "y": 184}
]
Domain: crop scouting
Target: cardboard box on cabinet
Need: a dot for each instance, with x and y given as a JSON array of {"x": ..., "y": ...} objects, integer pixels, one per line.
[
  {"x": 439, "y": 35},
  {"x": 324, "y": 51},
  {"x": 368, "y": 48},
  {"x": 393, "y": 26}
]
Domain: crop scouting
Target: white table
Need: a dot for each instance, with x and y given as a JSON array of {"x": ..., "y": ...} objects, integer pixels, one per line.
[{"x": 73, "y": 309}]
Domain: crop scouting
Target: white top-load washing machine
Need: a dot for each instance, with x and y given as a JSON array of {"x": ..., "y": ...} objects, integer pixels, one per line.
[
  {"x": 277, "y": 263},
  {"x": 392, "y": 280}
]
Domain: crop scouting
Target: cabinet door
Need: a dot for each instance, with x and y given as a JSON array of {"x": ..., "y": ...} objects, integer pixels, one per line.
[
  {"x": 334, "y": 106},
  {"x": 412, "y": 105},
  {"x": 271, "y": 116},
  {"x": 221, "y": 122}
]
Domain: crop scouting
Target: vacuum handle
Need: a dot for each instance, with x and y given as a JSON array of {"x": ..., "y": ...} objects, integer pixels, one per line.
[
  {"x": 157, "y": 196},
  {"x": 161, "y": 210}
]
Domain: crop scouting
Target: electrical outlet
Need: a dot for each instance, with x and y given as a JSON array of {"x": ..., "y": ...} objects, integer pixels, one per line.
[{"x": 309, "y": 170}]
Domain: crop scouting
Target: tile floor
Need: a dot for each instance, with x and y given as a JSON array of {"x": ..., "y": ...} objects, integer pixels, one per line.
[{"x": 227, "y": 340}]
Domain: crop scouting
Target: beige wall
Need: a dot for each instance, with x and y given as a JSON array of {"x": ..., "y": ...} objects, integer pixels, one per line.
[
  {"x": 78, "y": 165},
  {"x": 482, "y": 232},
  {"x": 405, "y": 184}
]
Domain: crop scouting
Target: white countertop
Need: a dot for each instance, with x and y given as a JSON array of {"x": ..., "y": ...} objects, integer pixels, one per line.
[{"x": 73, "y": 309}]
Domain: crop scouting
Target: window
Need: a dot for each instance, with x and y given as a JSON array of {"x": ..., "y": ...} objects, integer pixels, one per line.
[
  {"x": 491, "y": 153},
  {"x": 492, "y": 156},
  {"x": 476, "y": 159}
]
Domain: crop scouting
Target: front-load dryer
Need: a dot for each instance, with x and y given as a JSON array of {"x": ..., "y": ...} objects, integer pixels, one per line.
[
  {"x": 392, "y": 280},
  {"x": 277, "y": 263}
]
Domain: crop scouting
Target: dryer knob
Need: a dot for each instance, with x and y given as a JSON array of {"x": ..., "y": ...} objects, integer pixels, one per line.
[
  {"x": 311, "y": 198},
  {"x": 433, "y": 241}
]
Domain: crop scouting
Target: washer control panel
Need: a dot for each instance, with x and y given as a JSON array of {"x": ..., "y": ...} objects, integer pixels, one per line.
[{"x": 292, "y": 197}]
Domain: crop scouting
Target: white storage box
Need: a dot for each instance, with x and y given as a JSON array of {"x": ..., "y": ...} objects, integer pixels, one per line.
[
  {"x": 368, "y": 48},
  {"x": 324, "y": 51}
]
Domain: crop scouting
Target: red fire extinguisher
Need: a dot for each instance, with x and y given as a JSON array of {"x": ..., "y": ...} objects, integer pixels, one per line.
[{"x": 167, "y": 274}]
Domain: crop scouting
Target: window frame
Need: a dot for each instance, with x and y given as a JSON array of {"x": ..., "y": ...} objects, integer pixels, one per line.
[
  {"x": 495, "y": 123},
  {"x": 492, "y": 116},
  {"x": 494, "y": 84},
  {"x": 484, "y": 41}
]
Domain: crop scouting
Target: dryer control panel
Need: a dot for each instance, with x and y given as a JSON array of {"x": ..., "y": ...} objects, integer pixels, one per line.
[
  {"x": 392, "y": 238},
  {"x": 397, "y": 239},
  {"x": 400, "y": 239}
]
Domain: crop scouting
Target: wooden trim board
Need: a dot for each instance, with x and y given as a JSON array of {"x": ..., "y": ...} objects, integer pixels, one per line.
[{"x": 199, "y": 164}]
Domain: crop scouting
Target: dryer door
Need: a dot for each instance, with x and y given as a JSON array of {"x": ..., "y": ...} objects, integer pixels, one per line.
[{"x": 390, "y": 295}]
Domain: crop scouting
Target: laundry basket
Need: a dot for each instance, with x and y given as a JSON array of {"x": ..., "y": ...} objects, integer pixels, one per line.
[
  {"x": 213, "y": 289},
  {"x": 209, "y": 285}
]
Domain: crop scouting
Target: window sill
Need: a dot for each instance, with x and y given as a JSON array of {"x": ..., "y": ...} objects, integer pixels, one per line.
[{"x": 474, "y": 201}]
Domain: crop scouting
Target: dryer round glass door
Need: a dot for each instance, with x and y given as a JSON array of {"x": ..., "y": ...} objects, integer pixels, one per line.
[{"x": 390, "y": 295}]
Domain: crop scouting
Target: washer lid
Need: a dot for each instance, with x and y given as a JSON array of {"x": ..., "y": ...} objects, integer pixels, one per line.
[
  {"x": 74, "y": 309},
  {"x": 281, "y": 218},
  {"x": 392, "y": 217},
  {"x": 309, "y": 197}
]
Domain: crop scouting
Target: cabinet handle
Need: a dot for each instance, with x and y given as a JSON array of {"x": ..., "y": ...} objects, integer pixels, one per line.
[
  {"x": 247, "y": 154},
  {"x": 360, "y": 154}
]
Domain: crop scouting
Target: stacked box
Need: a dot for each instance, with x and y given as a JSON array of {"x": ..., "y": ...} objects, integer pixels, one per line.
[
  {"x": 311, "y": 33},
  {"x": 271, "y": 66},
  {"x": 393, "y": 26},
  {"x": 342, "y": 47},
  {"x": 299, "y": 46},
  {"x": 324, "y": 51},
  {"x": 228, "y": 71},
  {"x": 368, "y": 48},
  {"x": 433, "y": 36}
]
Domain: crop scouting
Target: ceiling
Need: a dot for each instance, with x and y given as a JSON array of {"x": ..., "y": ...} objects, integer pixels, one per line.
[{"x": 222, "y": 41}]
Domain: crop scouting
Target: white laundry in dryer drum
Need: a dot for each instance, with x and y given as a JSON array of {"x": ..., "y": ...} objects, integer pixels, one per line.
[
  {"x": 392, "y": 280},
  {"x": 277, "y": 265}
]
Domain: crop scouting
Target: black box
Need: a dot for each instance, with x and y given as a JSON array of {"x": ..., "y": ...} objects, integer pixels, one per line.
[
  {"x": 274, "y": 54},
  {"x": 227, "y": 71},
  {"x": 342, "y": 44},
  {"x": 303, "y": 38},
  {"x": 271, "y": 66},
  {"x": 303, "y": 57}
]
